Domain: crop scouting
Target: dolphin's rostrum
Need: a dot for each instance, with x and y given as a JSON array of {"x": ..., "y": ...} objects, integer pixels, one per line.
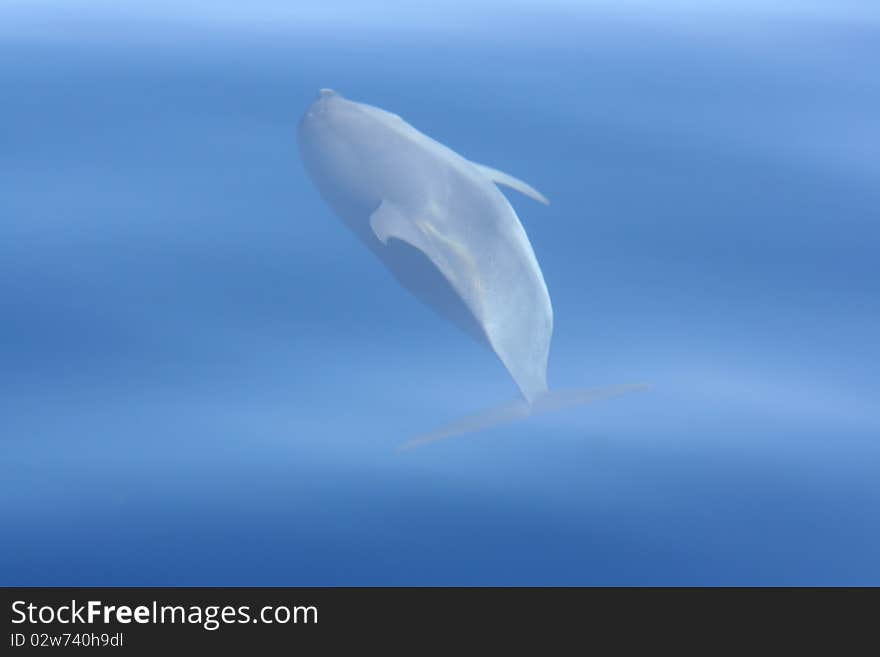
[{"x": 444, "y": 229}]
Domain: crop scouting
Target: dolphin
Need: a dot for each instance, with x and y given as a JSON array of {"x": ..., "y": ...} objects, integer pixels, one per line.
[{"x": 440, "y": 224}]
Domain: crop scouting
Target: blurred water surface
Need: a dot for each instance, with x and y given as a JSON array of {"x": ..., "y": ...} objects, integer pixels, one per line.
[{"x": 203, "y": 376}]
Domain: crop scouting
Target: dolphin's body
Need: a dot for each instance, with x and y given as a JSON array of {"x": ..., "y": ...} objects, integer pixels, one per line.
[
  {"x": 388, "y": 181},
  {"x": 440, "y": 224}
]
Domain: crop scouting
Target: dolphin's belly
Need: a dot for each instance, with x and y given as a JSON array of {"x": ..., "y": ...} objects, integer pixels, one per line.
[{"x": 415, "y": 272}]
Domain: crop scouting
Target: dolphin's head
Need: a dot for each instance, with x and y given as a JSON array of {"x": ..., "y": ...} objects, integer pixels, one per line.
[
  {"x": 333, "y": 114},
  {"x": 329, "y": 135},
  {"x": 320, "y": 112},
  {"x": 318, "y": 128}
]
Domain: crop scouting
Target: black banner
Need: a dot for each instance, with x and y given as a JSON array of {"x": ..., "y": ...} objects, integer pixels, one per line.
[{"x": 152, "y": 619}]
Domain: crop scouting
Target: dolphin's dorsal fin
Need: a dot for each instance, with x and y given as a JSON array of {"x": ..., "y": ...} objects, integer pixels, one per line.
[{"x": 507, "y": 180}]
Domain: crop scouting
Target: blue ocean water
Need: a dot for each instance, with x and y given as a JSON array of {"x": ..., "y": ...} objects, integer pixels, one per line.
[{"x": 203, "y": 376}]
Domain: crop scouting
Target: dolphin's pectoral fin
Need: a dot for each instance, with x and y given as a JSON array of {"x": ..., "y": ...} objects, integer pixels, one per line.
[
  {"x": 507, "y": 180},
  {"x": 387, "y": 222},
  {"x": 449, "y": 257}
]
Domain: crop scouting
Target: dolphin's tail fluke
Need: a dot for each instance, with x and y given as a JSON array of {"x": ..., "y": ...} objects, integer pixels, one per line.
[{"x": 548, "y": 402}]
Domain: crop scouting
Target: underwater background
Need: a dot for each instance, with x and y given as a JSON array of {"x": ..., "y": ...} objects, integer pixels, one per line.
[{"x": 203, "y": 376}]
